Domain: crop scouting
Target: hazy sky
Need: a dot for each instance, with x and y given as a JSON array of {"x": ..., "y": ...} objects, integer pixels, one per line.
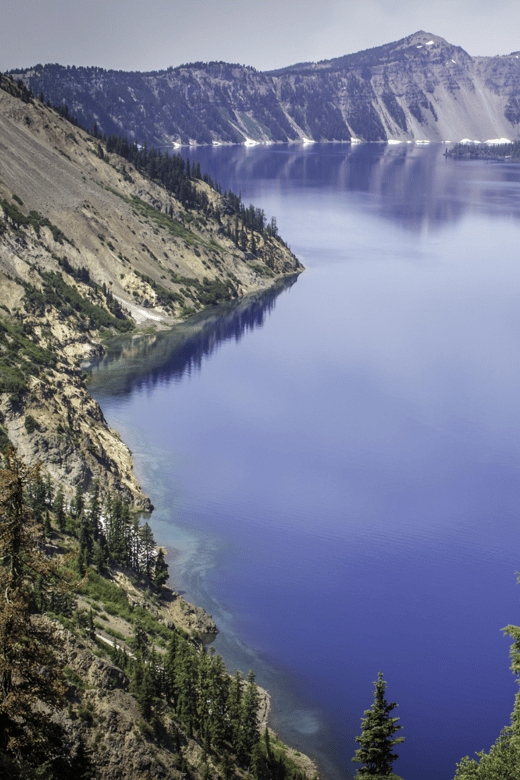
[{"x": 154, "y": 34}]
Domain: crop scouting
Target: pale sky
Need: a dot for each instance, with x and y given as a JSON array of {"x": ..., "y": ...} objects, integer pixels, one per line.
[{"x": 155, "y": 34}]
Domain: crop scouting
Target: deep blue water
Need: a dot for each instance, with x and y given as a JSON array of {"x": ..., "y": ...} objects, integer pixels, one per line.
[{"x": 337, "y": 462}]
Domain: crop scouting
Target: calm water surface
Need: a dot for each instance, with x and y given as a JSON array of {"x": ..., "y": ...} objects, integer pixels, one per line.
[{"x": 336, "y": 463}]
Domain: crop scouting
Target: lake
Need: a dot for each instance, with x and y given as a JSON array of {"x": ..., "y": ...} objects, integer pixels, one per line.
[{"x": 335, "y": 463}]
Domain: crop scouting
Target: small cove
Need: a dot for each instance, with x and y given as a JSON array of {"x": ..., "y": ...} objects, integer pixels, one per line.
[{"x": 337, "y": 461}]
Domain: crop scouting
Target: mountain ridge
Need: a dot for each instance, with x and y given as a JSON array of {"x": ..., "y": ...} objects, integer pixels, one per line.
[{"x": 418, "y": 88}]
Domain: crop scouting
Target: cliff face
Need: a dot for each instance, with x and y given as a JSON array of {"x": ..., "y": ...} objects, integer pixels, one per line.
[
  {"x": 90, "y": 247},
  {"x": 418, "y": 88}
]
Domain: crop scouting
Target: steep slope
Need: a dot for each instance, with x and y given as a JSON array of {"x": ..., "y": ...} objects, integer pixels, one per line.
[
  {"x": 90, "y": 246},
  {"x": 105, "y": 673},
  {"x": 420, "y": 87}
]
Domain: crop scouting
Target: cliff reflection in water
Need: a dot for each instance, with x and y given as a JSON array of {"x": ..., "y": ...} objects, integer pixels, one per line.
[
  {"x": 145, "y": 360},
  {"x": 407, "y": 184}
]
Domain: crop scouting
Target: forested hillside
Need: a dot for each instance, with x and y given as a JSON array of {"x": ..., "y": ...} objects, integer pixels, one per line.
[{"x": 103, "y": 671}]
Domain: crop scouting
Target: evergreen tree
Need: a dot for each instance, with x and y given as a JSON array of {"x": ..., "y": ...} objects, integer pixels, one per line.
[
  {"x": 93, "y": 514},
  {"x": 140, "y": 638},
  {"x": 219, "y": 687},
  {"x": 259, "y": 763},
  {"x": 376, "y": 737},
  {"x": 225, "y": 767},
  {"x": 146, "y": 554},
  {"x": 146, "y": 693},
  {"x": 249, "y": 735},
  {"x": 28, "y": 668},
  {"x": 161, "y": 570},
  {"x": 78, "y": 503},
  {"x": 58, "y": 508},
  {"x": 503, "y": 760},
  {"x": 235, "y": 709},
  {"x": 170, "y": 670},
  {"x": 187, "y": 701}
]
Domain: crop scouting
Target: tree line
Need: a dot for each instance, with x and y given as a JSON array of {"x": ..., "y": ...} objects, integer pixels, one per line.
[{"x": 106, "y": 530}]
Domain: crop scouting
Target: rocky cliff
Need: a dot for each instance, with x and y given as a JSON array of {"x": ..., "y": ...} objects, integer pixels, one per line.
[
  {"x": 90, "y": 247},
  {"x": 418, "y": 88}
]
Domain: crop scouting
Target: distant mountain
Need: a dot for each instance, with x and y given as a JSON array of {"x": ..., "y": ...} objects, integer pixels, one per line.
[{"x": 419, "y": 88}]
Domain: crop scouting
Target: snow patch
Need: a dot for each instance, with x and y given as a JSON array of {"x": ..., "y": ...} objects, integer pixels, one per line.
[
  {"x": 429, "y": 43},
  {"x": 494, "y": 141}
]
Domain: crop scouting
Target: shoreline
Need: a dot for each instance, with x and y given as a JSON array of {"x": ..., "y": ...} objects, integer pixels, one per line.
[{"x": 147, "y": 459}]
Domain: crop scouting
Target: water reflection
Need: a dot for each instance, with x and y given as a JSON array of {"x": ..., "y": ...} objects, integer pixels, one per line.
[
  {"x": 145, "y": 360},
  {"x": 408, "y": 185},
  {"x": 352, "y": 468}
]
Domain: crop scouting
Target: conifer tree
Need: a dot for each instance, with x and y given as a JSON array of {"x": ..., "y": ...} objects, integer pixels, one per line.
[
  {"x": 249, "y": 735},
  {"x": 146, "y": 553},
  {"x": 78, "y": 502},
  {"x": 502, "y": 762},
  {"x": 28, "y": 669},
  {"x": 161, "y": 574},
  {"x": 235, "y": 709},
  {"x": 58, "y": 508},
  {"x": 376, "y": 737}
]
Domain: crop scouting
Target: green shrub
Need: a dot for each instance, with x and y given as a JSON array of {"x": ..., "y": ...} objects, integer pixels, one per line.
[
  {"x": 74, "y": 678},
  {"x": 30, "y": 423}
]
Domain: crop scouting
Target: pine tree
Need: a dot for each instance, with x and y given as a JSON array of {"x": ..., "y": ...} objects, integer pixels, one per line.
[
  {"x": 58, "y": 508},
  {"x": 376, "y": 738},
  {"x": 235, "y": 708},
  {"x": 147, "y": 549},
  {"x": 78, "y": 502},
  {"x": 161, "y": 575},
  {"x": 28, "y": 669},
  {"x": 502, "y": 762},
  {"x": 249, "y": 735}
]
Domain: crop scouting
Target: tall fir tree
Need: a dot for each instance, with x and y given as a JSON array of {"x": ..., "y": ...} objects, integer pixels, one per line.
[
  {"x": 376, "y": 740},
  {"x": 29, "y": 672},
  {"x": 249, "y": 735}
]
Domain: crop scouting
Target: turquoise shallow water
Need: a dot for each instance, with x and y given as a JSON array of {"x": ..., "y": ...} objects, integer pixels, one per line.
[{"x": 337, "y": 463}]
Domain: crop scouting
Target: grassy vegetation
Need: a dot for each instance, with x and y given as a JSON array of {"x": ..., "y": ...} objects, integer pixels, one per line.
[
  {"x": 66, "y": 299},
  {"x": 173, "y": 226},
  {"x": 115, "y": 603},
  {"x": 207, "y": 293},
  {"x": 262, "y": 270},
  {"x": 18, "y": 220}
]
